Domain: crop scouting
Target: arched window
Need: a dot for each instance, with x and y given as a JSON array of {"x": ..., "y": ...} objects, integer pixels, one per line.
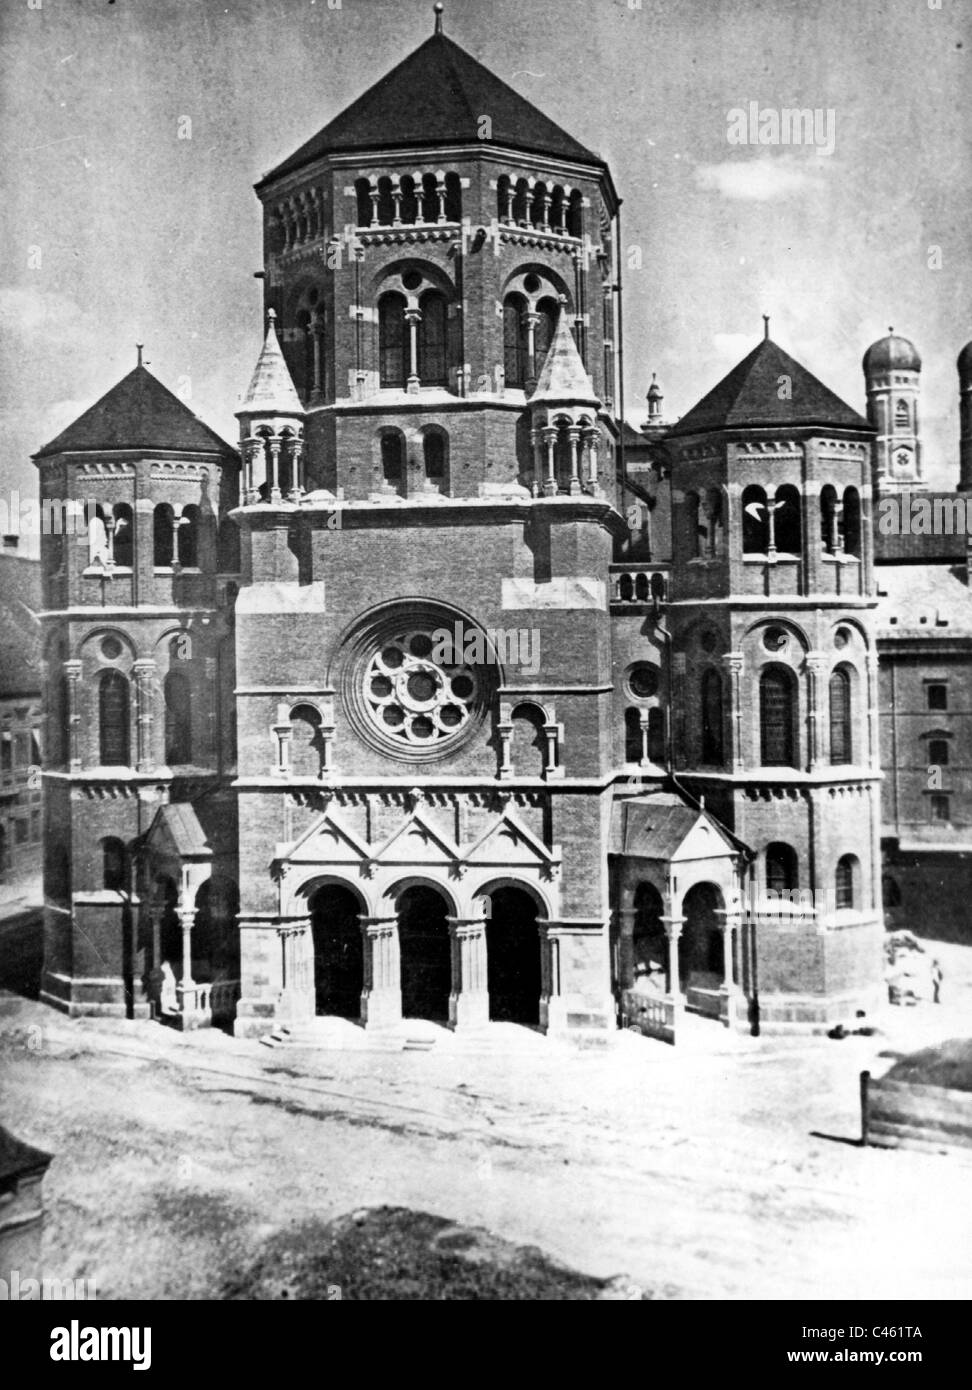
[
  {"x": 114, "y": 865},
  {"x": 830, "y": 532},
  {"x": 528, "y": 742},
  {"x": 713, "y": 511},
  {"x": 514, "y": 341},
  {"x": 776, "y": 718},
  {"x": 502, "y": 197},
  {"x": 430, "y": 199},
  {"x": 840, "y": 717},
  {"x": 409, "y": 206},
  {"x": 124, "y": 543},
  {"x": 113, "y": 720},
  {"x": 786, "y": 519},
  {"x": 656, "y": 735},
  {"x": 852, "y": 521},
  {"x": 386, "y": 205},
  {"x": 162, "y": 522},
  {"x": 306, "y": 744},
  {"x": 902, "y": 415},
  {"x": 548, "y": 310},
  {"x": 228, "y": 545},
  {"x": 538, "y": 211},
  {"x": 453, "y": 198},
  {"x": 178, "y": 718},
  {"x": 641, "y": 588},
  {"x": 189, "y": 537},
  {"x": 846, "y": 879},
  {"x": 712, "y": 717},
  {"x": 633, "y": 741},
  {"x": 433, "y": 367},
  {"x": 754, "y": 525},
  {"x": 626, "y": 588},
  {"x": 781, "y": 868},
  {"x": 97, "y": 537},
  {"x": 938, "y": 752},
  {"x": 393, "y": 459},
  {"x": 362, "y": 194},
  {"x": 391, "y": 340},
  {"x": 434, "y": 457},
  {"x": 575, "y": 214}
]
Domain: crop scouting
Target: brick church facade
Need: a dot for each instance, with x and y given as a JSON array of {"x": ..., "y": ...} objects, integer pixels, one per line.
[{"x": 447, "y": 695}]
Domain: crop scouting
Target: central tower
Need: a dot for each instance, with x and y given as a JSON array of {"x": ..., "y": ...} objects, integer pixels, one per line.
[{"x": 430, "y": 512}]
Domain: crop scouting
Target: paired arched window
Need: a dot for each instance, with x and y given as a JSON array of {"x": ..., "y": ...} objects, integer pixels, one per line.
[
  {"x": 712, "y": 748},
  {"x": 781, "y": 868},
  {"x": 113, "y": 720},
  {"x": 777, "y": 718},
  {"x": 114, "y": 864},
  {"x": 163, "y": 519},
  {"x": 525, "y": 342},
  {"x": 432, "y": 340},
  {"x": 178, "y": 718},
  {"x": 846, "y": 881}
]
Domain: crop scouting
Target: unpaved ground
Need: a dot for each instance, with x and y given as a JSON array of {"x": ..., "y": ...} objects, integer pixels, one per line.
[{"x": 184, "y": 1166}]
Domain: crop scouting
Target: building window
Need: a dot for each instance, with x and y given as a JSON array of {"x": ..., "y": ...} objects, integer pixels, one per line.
[
  {"x": 902, "y": 415},
  {"x": 938, "y": 752},
  {"x": 162, "y": 526},
  {"x": 712, "y": 717},
  {"x": 656, "y": 735},
  {"x": 113, "y": 720},
  {"x": 852, "y": 521},
  {"x": 433, "y": 369},
  {"x": 514, "y": 341},
  {"x": 840, "y": 717},
  {"x": 189, "y": 538},
  {"x": 754, "y": 528},
  {"x": 433, "y": 452},
  {"x": 845, "y": 881},
  {"x": 776, "y": 711},
  {"x": 393, "y": 459},
  {"x": 940, "y": 809},
  {"x": 937, "y": 696},
  {"x": 178, "y": 719},
  {"x": 694, "y": 532},
  {"x": 781, "y": 868},
  {"x": 633, "y": 738},
  {"x": 786, "y": 520},
  {"x": 124, "y": 536},
  {"x": 113, "y": 864},
  {"x": 391, "y": 341}
]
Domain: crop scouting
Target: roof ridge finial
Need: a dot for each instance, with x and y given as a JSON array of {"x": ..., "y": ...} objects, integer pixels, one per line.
[
  {"x": 271, "y": 319},
  {"x": 766, "y": 319},
  {"x": 138, "y": 349},
  {"x": 438, "y": 8},
  {"x": 890, "y": 328}
]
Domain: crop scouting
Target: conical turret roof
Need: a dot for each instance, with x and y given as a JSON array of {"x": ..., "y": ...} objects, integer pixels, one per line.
[
  {"x": 563, "y": 378},
  {"x": 271, "y": 390}
]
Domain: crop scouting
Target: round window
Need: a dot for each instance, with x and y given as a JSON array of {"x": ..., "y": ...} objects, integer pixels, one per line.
[
  {"x": 643, "y": 681},
  {"x": 412, "y": 279},
  {"x": 774, "y": 639},
  {"x": 111, "y": 648}
]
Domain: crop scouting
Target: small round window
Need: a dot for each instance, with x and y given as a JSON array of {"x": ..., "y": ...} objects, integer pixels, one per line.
[
  {"x": 111, "y": 648},
  {"x": 643, "y": 681},
  {"x": 774, "y": 639}
]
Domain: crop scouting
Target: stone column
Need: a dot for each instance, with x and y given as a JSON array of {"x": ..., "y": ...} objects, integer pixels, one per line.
[
  {"x": 553, "y": 1006},
  {"x": 592, "y": 438},
  {"x": 72, "y": 672},
  {"x": 317, "y": 334},
  {"x": 374, "y": 195},
  {"x": 530, "y": 319},
  {"x": 275, "y": 445},
  {"x": 297, "y": 480},
  {"x": 176, "y": 523},
  {"x": 733, "y": 663},
  {"x": 296, "y": 1001},
  {"x": 815, "y": 664},
  {"x": 626, "y": 961},
  {"x": 381, "y": 997},
  {"x": 440, "y": 190},
  {"x": 413, "y": 317},
  {"x": 549, "y": 433},
  {"x": 573, "y": 439},
  {"x": 505, "y": 731},
  {"x": 730, "y": 990},
  {"x": 550, "y": 734},
  {"x": 144, "y": 671},
  {"x": 396, "y": 193},
  {"x": 283, "y": 732},
  {"x": 469, "y": 998},
  {"x": 673, "y": 930}
]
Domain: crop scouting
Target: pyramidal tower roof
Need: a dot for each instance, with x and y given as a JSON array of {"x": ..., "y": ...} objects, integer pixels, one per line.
[
  {"x": 751, "y": 396},
  {"x": 438, "y": 95},
  {"x": 137, "y": 413},
  {"x": 563, "y": 377},
  {"x": 271, "y": 390}
]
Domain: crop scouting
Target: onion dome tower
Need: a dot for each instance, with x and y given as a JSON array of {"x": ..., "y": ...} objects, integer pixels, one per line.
[{"x": 891, "y": 369}]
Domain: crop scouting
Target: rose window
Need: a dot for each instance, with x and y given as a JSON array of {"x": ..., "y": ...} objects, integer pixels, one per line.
[{"x": 415, "y": 700}]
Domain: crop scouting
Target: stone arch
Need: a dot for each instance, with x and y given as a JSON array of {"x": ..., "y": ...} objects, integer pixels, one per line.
[
  {"x": 335, "y": 909},
  {"x": 422, "y": 907},
  {"x": 514, "y": 952},
  {"x": 700, "y": 948}
]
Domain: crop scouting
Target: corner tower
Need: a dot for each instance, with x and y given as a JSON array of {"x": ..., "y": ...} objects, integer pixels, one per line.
[{"x": 892, "y": 368}]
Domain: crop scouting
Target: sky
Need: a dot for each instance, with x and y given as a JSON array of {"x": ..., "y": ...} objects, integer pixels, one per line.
[{"x": 113, "y": 230}]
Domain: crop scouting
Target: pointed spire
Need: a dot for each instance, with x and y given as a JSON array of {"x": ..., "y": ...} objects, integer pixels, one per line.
[
  {"x": 766, "y": 319},
  {"x": 271, "y": 390},
  {"x": 563, "y": 378},
  {"x": 438, "y": 17}
]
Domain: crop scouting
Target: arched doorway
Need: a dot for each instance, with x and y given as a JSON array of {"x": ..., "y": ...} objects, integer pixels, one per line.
[
  {"x": 338, "y": 951},
  {"x": 426, "y": 953},
  {"x": 513, "y": 957},
  {"x": 700, "y": 953},
  {"x": 649, "y": 944}
]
